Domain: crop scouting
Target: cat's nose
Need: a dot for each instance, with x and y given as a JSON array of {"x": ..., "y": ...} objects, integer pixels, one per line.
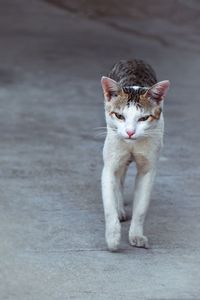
[{"x": 130, "y": 133}]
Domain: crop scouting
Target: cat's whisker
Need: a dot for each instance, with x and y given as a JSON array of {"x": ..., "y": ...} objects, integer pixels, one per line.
[
  {"x": 101, "y": 133},
  {"x": 99, "y": 128},
  {"x": 105, "y": 132}
]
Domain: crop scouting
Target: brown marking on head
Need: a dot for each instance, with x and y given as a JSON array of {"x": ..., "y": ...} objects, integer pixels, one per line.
[
  {"x": 145, "y": 102},
  {"x": 156, "y": 112},
  {"x": 148, "y": 99},
  {"x": 118, "y": 102}
]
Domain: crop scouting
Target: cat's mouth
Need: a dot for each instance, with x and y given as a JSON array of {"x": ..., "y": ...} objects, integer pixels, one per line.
[{"x": 130, "y": 139}]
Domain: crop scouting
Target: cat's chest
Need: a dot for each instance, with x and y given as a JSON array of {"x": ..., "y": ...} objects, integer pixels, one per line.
[
  {"x": 142, "y": 149},
  {"x": 119, "y": 153}
]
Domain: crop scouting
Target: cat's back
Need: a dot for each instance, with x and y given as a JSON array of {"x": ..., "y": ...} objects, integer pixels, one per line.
[{"x": 133, "y": 72}]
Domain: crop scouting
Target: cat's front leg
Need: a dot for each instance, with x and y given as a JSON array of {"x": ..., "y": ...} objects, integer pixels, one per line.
[
  {"x": 143, "y": 186},
  {"x": 113, "y": 227}
]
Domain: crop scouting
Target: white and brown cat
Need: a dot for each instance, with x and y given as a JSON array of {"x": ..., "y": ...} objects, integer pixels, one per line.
[{"x": 135, "y": 126}]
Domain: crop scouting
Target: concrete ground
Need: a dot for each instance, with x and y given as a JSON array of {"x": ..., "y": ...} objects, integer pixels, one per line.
[{"x": 51, "y": 217}]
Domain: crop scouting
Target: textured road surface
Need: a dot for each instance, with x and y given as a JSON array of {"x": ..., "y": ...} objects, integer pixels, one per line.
[{"x": 51, "y": 217}]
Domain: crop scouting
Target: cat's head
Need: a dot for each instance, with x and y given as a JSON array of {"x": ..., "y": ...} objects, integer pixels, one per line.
[{"x": 133, "y": 111}]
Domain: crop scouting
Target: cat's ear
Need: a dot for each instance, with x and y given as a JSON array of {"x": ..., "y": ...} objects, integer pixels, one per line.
[
  {"x": 158, "y": 91},
  {"x": 110, "y": 88}
]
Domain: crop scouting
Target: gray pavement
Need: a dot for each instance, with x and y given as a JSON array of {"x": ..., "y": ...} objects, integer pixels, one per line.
[{"x": 51, "y": 217}]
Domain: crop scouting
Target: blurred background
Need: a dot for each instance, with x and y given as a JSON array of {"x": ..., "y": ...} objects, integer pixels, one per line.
[{"x": 53, "y": 54}]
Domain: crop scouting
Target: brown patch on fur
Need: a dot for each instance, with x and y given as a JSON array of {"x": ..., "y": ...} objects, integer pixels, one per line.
[
  {"x": 155, "y": 114},
  {"x": 117, "y": 103},
  {"x": 147, "y": 104},
  {"x": 144, "y": 102},
  {"x": 133, "y": 72}
]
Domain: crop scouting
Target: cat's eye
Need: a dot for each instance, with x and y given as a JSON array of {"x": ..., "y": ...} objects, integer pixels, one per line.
[
  {"x": 119, "y": 116},
  {"x": 113, "y": 94},
  {"x": 143, "y": 119}
]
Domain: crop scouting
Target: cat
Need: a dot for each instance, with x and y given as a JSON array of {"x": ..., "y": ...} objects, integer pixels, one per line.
[{"x": 133, "y": 101}]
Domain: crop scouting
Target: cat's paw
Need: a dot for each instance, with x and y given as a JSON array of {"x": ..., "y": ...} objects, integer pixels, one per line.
[
  {"x": 113, "y": 235},
  {"x": 122, "y": 216},
  {"x": 139, "y": 241}
]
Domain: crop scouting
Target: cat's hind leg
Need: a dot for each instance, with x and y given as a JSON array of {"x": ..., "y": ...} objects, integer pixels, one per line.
[{"x": 120, "y": 177}]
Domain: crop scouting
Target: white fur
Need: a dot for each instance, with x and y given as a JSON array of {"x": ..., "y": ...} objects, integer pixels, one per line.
[
  {"x": 135, "y": 87},
  {"x": 143, "y": 148}
]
